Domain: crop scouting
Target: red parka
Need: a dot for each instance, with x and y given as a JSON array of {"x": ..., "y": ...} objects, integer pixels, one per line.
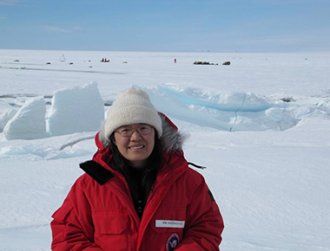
[{"x": 99, "y": 215}]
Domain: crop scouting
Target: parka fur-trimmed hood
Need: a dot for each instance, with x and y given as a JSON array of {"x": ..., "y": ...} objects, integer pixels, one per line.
[
  {"x": 171, "y": 143},
  {"x": 171, "y": 139}
]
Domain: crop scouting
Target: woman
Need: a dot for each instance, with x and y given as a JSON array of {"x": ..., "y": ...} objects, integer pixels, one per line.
[{"x": 138, "y": 193}]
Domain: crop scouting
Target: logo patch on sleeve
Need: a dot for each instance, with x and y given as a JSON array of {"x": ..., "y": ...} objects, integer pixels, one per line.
[{"x": 172, "y": 242}]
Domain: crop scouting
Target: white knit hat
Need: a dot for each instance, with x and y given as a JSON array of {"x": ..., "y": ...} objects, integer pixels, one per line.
[{"x": 131, "y": 107}]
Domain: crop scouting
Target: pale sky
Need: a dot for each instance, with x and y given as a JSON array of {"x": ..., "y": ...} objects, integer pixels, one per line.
[{"x": 166, "y": 25}]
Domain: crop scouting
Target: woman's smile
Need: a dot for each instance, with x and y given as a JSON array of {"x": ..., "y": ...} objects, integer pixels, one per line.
[{"x": 135, "y": 142}]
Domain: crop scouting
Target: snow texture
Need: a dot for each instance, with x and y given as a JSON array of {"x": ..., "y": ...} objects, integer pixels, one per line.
[
  {"x": 261, "y": 126},
  {"x": 6, "y": 113}
]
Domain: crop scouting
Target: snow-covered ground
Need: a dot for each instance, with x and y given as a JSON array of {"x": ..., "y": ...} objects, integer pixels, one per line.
[{"x": 261, "y": 126}]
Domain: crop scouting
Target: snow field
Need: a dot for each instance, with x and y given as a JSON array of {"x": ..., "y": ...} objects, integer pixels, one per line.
[{"x": 261, "y": 126}]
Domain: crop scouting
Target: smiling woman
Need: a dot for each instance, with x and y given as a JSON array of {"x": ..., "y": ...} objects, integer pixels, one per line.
[
  {"x": 138, "y": 192},
  {"x": 135, "y": 143}
]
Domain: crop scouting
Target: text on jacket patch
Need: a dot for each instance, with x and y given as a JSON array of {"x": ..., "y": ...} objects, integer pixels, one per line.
[{"x": 170, "y": 223}]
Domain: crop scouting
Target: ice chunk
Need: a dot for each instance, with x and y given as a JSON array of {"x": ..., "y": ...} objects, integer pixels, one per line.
[
  {"x": 76, "y": 109},
  {"x": 28, "y": 122}
]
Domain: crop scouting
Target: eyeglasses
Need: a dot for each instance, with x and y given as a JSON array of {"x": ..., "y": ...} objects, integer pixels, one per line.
[{"x": 127, "y": 131}]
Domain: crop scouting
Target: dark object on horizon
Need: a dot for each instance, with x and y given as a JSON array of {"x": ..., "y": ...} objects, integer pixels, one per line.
[
  {"x": 204, "y": 63},
  {"x": 288, "y": 99},
  {"x": 226, "y": 63},
  {"x": 105, "y": 60},
  {"x": 48, "y": 63}
]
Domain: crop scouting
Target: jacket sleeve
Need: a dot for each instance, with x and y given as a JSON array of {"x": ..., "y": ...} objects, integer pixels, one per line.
[
  {"x": 72, "y": 227},
  {"x": 204, "y": 223}
]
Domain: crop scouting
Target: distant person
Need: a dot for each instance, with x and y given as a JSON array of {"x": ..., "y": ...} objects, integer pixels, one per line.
[
  {"x": 174, "y": 60},
  {"x": 138, "y": 193}
]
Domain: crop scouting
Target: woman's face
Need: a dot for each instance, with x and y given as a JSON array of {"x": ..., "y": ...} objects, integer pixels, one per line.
[{"x": 135, "y": 143}]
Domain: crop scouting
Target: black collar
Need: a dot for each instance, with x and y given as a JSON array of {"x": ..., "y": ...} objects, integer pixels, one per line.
[{"x": 100, "y": 174}]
